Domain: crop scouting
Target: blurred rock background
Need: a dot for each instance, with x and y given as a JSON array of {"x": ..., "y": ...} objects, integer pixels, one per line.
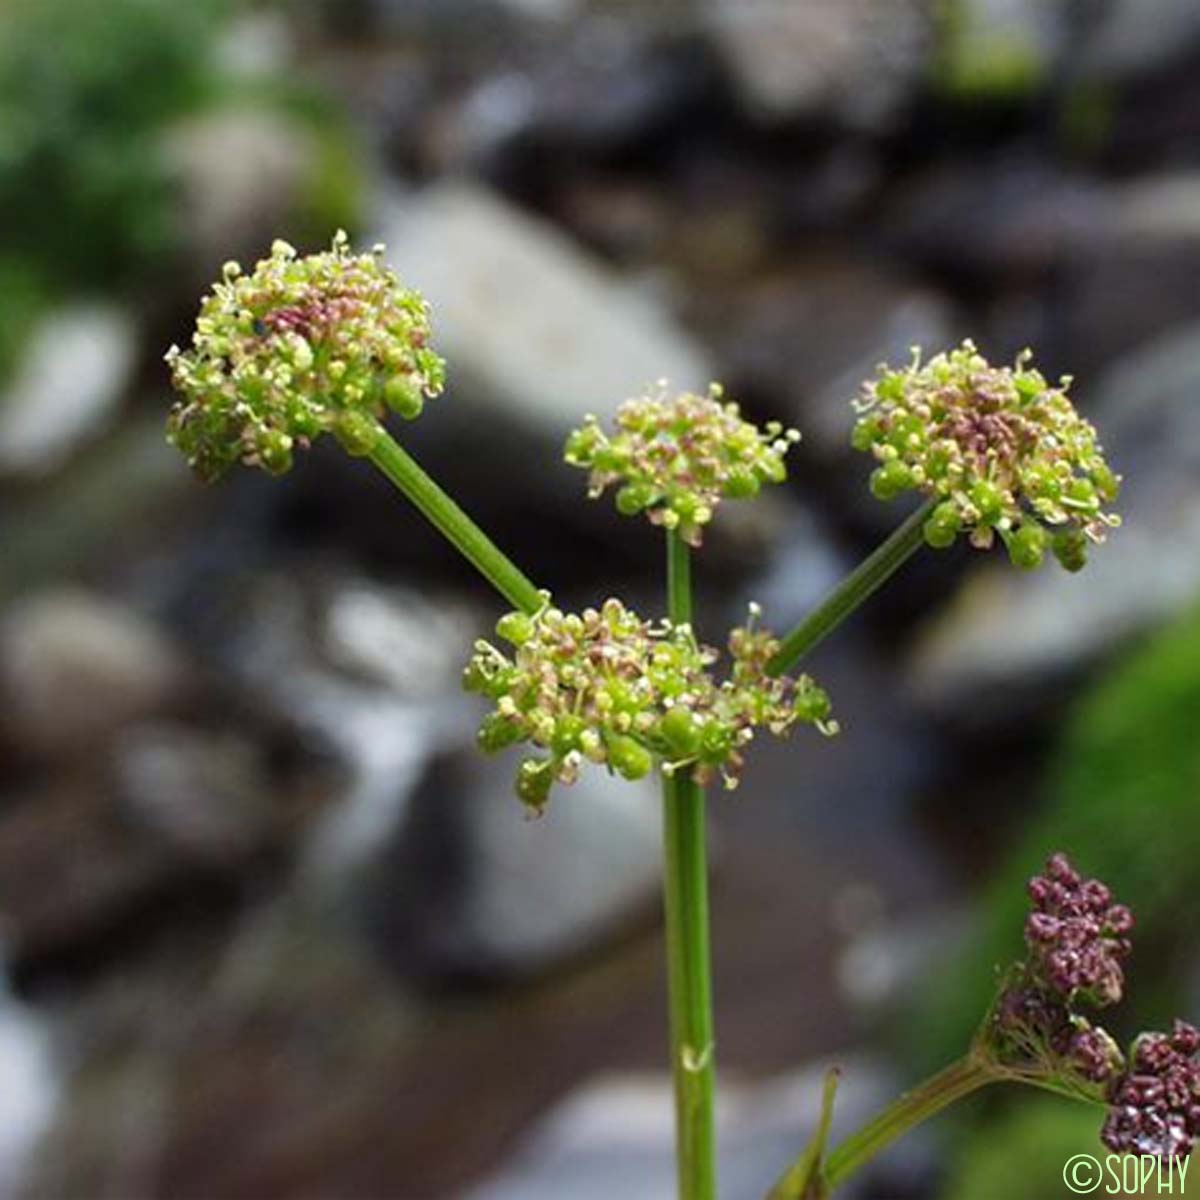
[{"x": 270, "y": 928}]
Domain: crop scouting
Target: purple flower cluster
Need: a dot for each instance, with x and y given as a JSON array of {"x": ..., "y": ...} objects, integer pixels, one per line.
[
  {"x": 1034, "y": 1027},
  {"x": 1077, "y": 940},
  {"x": 1155, "y": 1105},
  {"x": 1077, "y": 937},
  {"x": 1093, "y": 1054}
]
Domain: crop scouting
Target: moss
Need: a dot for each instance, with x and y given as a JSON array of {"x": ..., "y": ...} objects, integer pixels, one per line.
[{"x": 1024, "y": 1152}]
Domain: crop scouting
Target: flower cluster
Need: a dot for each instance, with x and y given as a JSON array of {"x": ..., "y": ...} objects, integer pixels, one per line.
[
  {"x": 606, "y": 686},
  {"x": 999, "y": 450},
  {"x": 677, "y": 456},
  {"x": 1033, "y": 1030},
  {"x": 1077, "y": 940},
  {"x": 1077, "y": 937},
  {"x": 299, "y": 347},
  {"x": 1155, "y": 1105}
]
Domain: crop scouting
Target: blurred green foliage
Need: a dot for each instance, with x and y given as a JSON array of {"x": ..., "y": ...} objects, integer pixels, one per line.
[
  {"x": 979, "y": 61},
  {"x": 1124, "y": 796},
  {"x": 84, "y": 89},
  {"x": 1022, "y": 1153},
  {"x": 88, "y": 92}
]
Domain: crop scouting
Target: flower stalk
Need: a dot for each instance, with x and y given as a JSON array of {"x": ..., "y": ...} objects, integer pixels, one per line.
[
  {"x": 445, "y": 515},
  {"x": 862, "y": 583},
  {"x": 949, "y": 1085},
  {"x": 685, "y": 893}
]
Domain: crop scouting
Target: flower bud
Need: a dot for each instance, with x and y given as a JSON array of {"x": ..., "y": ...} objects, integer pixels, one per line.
[
  {"x": 1071, "y": 549},
  {"x": 942, "y": 526},
  {"x": 404, "y": 397},
  {"x": 498, "y": 733},
  {"x": 716, "y": 742},
  {"x": 634, "y": 497},
  {"x": 813, "y": 704},
  {"x": 568, "y": 734},
  {"x": 535, "y": 776},
  {"x": 742, "y": 484},
  {"x": 988, "y": 502},
  {"x": 680, "y": 732},
  {"x": 515, "y": 628},
  {"x": 630, "y": 759},
  {"x": 274, "y": 451},
  {"x": 1027, "y": 546},
  {"x": 356, "y": 433},
  {"x": 889, "y": 480}
]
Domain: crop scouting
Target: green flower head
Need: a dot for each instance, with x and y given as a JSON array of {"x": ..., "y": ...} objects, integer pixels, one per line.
[
  {"x": 606, "y": 686},
  {"x": 676, "y": 456},
  {"x": 1000, "y": 450},
  {"x": 299, "y": 347}
]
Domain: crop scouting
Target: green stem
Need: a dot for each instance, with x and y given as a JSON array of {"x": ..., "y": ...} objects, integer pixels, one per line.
[
  {"x": 404, "y": 471},
  {"x": 685, "y": 890},
  {"x": 803, "y": 1177},
  {"x": 854, "y": 590},
  {"x": 924, "y": 1101}
]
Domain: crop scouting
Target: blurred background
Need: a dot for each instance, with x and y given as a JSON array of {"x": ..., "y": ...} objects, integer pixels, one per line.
[{"x": 269, "y": 927}]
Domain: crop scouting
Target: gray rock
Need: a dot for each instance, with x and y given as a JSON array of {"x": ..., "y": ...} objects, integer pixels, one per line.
[
  {"x": 241, "y": 174},
  {"x": 543, "y": 889},
  {"x": 87, "y": 515},
  {"x": 1157, "y": 210},
  {"x": 1100, "y": 268},
  {"x": 74, "y": 667},
  {"x": 1008, "y": 636},
  {"x": 67, "y": 386},
  {"x": 810, "y": 338},
  {"x": 530, "y": 324},
  {"x": 1133, "y": 37},
  {"x": 885, "y": 963},
  {"x": 473, "y": 887},
  {"x": 32, "y": 1087},
  {"x": 854, "y": 60},
  {"x": 372, "y": 674},
  {"x": 1133, "y": 271},
  {"x": 615, "y": 1136},
  {"x": 1006, "y": 221},
  {"x": 804, "y": 569},
  {"x": 208, "y": 794},
  {"x": 553, "y": 10},
  {"x": 414, "y": 644},
  {"x": 896, "y": 318},
  {"x": 447, "y": 868}
]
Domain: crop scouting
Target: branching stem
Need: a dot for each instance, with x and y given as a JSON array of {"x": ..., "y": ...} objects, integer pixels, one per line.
[{"x": 853, "y": 591}]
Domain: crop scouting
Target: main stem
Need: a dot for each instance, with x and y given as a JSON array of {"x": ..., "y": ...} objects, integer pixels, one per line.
[
  {"x": 860, "y": 584},
  {"x": 685, "y": 890},
  {"x": 924, "y": 1101},
  {"x": 404, "y": 471}
]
